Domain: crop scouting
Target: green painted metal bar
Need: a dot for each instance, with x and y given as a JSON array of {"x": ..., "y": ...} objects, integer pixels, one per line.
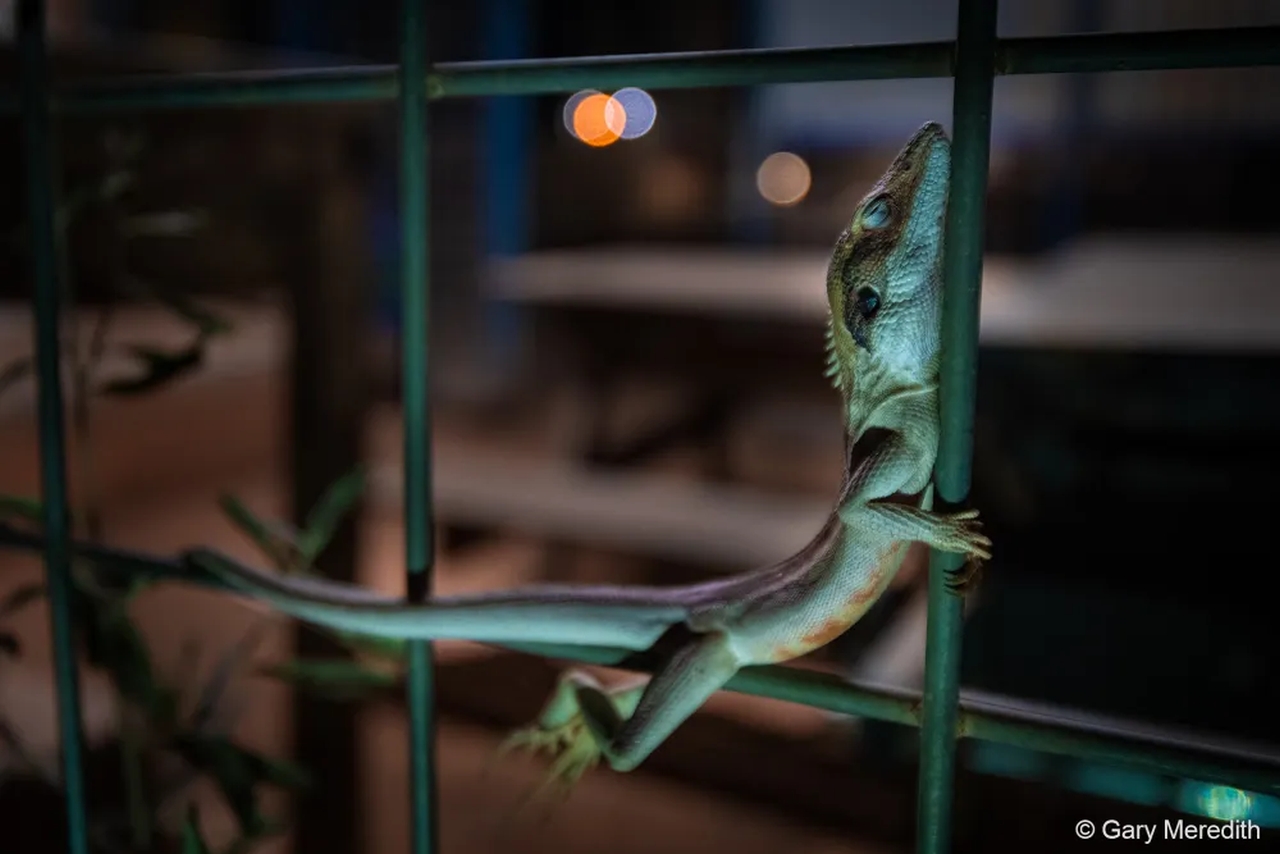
[
  {"x": 1217, "y": 48},
  {"x": 1131, "y": 744},
  {"x": 43, "y": 249},
  {"x": 415, "y": 237},
  {"x": 263, "y": 88},
  {"x": 962, "y": 282},
  {"x": 1119, "y": 743},
  {"x": 753, "y": 67}
]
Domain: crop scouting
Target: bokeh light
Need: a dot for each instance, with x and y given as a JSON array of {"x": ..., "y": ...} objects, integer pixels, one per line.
[
  {"x": 640, "y": 110},
  {"x": 571, "y": 106},
  {"x": 599, "y": 120},
  {"x": 783, "y": 178},
  {"x": 1226, "y": 803}
]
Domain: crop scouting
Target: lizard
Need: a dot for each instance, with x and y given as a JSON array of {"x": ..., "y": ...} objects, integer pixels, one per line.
[{"x": 884, "y": 292}]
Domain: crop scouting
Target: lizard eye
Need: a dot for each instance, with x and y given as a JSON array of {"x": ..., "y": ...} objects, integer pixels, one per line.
[
  {"x": 876, "y": 213},
  {"x": 866, "y": 302}
]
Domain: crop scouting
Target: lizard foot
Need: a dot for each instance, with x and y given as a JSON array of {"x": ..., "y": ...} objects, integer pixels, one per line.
[
  {"x": 572, "y": 746},
  {"x": 965, "y": 578},
  {"x": 961, "y": 532},
  {"x": 567, "y": 733}
]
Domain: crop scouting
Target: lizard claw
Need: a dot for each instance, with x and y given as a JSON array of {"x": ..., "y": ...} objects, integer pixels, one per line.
[
  {"x": 965, "y": 578},
  {"x": 576, "y": 758},
  {"x": 962, "y": 533},
  {"x": 533, "y": 739},
  {"x": 572, "y": 747}
]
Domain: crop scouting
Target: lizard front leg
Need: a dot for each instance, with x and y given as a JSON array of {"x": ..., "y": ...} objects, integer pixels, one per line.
[
  {"x": 949, "y": 532},
  {"x": 893, "y": 466},
  {"x": 583, "y": 722}
]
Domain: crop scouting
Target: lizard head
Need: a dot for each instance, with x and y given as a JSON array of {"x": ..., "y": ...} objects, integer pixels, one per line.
[{"x": 884, "y": 282}]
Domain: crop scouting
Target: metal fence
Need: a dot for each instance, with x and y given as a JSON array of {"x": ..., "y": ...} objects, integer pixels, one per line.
[{"x": 973, "y": 59}]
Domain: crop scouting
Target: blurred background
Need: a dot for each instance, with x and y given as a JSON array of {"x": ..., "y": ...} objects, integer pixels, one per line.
[{"x": 626, "y": 378}]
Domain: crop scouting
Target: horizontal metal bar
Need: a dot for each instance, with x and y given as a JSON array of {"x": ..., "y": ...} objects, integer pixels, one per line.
[
  {"x": 228, "y": 89},
  {"x": 1217, "y": 48},
  {"x": 1110, "y": 741},
  {"x": 1229, "y": 47},
  {"x": 694, "y": 69},
  {"x": 1123, "y": 743}
]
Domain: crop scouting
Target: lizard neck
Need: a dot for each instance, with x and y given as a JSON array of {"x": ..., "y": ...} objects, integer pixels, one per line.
[
  {"x": 889, "y": 400},
  {"x": 889, "y": 403}
]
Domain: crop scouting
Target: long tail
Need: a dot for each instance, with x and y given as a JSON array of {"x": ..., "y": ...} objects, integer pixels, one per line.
[{"x": 625, "y": 617}]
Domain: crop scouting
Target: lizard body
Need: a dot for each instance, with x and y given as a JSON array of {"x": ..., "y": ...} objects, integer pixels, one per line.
[{"x": 884, "y": 290}]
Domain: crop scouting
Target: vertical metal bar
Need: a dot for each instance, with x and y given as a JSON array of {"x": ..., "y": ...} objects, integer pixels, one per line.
[
  {"x": 962, "y": 272},
  {"x": 43, "y": 249},
  {"x": 418, "y": 517}
]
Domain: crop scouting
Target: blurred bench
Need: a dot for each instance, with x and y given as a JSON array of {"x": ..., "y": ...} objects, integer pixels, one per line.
[
  {"x": 1180, "y": 292},
  {"x": 635, "y": 513}
]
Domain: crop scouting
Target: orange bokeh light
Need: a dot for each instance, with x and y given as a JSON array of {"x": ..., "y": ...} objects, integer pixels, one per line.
[{"x": 599, "y": 120}]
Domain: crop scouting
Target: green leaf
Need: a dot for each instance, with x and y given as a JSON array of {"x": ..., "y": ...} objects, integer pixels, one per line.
[
  {"x": 205, "y": 321},
  {"x": 20, "y": 598},
  {"x": 238, "y": 772},
  {"x": 277, "y": 541},
  {"x": 332, "y": 678},
  {"x": 22, "y": 508},
  {"x": 211, "y": 695},
  {"x": 113, "y": 643},
  {"x": 15, "y": 372},
  {"x": 107, "y": 583},
  {"x": 161, "y": 368},
  {"x": 17, "y": 600},
  {"x": 391, "y": 650},
  {"x": 327, "y": 514},
  {"x": 192, "y": 840}
]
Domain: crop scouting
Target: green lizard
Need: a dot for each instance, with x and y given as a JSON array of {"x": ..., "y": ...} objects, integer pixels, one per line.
[{"x": 884, "y": 289}]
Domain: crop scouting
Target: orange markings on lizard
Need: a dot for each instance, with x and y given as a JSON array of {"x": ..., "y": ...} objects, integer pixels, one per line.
[{"x": 857, "y": 604}]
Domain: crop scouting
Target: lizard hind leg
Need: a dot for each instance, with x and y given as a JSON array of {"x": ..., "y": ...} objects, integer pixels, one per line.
[
  {"x": 584, "y": 723},
  {"x": 567, "y": 733}
]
